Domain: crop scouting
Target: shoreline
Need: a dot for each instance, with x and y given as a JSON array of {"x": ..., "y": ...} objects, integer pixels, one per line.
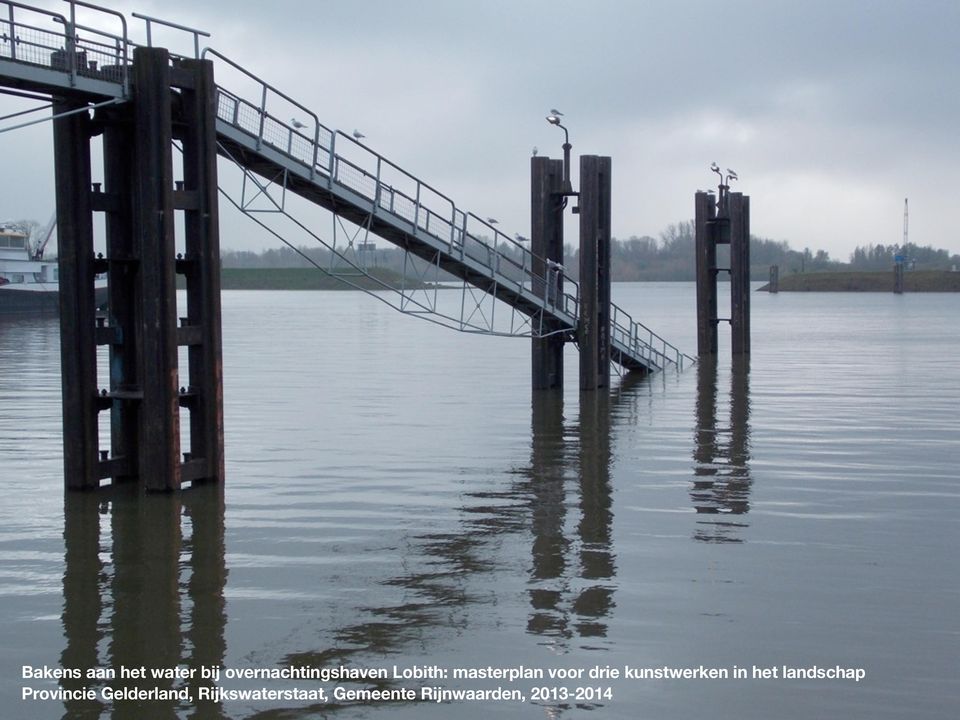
[{"x": 882, "y": 281}]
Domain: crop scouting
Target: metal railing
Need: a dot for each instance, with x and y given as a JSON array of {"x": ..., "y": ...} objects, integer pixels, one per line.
[
  {"x": 332, "y": 157},
  {"x": 78, "y": 50},
  {"x": 640, "y": 341},
  {"x": 329, "y": 157}
]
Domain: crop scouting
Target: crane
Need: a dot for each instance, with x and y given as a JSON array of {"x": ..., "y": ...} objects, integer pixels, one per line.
[{"x": 43, "y": 237}]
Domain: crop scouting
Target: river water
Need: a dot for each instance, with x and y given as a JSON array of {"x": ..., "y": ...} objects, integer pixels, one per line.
[{"x": 395, "y": 497}]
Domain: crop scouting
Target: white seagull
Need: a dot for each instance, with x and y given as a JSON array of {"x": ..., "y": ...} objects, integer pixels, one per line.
[
  {"x": 358, "y": 135},
  {"x": 492, "y": 221},
  {"x": 297, "y": 124},
  {"x": 557, "y": 113}
]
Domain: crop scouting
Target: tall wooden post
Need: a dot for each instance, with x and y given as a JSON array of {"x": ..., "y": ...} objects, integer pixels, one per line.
[
  {"x": 705, "y": 225},
  {"x": 78, "y": 350},
  {"x": 140, "y": 326},
  {"x": 774, "y": 285},
  {"x": 739, "y": 274},
  {"x": 160, "y": 410},
  {"x": 727, "y": 222},
  {"x": 594, "y": 333},
  {"x": 123, "y": 330},
  {"x": 201, "y": 268},
  {"x": 546, "y": 245}
]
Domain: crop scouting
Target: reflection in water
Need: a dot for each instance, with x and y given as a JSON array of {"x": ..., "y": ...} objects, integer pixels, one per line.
[
  {"x": 595, "y": 600},
  {"x": 721, "y": 453},
  {"x": 559, "y": 585},
  {"x": 547, "y": 500},
  {"x": 571, "y": 580},
  {"x": 82, "y": 585},
  {"x": 131, "y": 611},
  {"x": 144, "y": 577}
]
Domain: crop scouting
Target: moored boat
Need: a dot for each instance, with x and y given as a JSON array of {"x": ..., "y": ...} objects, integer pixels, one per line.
[{"x": 28, "y": 283}]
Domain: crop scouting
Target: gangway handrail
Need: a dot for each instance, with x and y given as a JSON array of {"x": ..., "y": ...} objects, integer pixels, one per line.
[
  {"x": 15, "y": 40},
  {"x": 265, "y": 86},
  {"x": 82, "y": 3},
  {"x": 475, "y": 250},
  {"x": 72, "y": 45},
  {"x": 197, "y": 34},
  {"x": 378, "y": 189},
  {"x": 125, "y": 41},
  {"x": 380, "y": 184},
  {"x": 632, "y": 330},
  {"x": 527, "y": 270}
]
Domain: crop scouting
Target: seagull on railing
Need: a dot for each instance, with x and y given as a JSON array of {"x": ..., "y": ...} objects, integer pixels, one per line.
[
  {"x": 358, "y": 135},
  {"x": 492, "y": 221},
  {"x": 520, "y": 238},
  {"x": 297, "y": 124}
]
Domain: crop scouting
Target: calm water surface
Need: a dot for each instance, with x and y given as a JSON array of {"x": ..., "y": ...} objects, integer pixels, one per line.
[{"x": 395, "y": 497}]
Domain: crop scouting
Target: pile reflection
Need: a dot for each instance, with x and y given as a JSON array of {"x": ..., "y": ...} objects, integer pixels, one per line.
[
  {"x": 145, "y": 577},
  {"x": 143, "y": 587},
  {"x": 721, "y": 454}
]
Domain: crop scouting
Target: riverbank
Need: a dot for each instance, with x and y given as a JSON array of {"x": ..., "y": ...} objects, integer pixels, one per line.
[
  {"x": 306, "y": 279},
  {"x": 913, "y": 281}
]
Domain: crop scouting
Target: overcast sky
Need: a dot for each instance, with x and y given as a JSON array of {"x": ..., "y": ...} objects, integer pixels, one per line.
[{"x": 831, "y": 112}]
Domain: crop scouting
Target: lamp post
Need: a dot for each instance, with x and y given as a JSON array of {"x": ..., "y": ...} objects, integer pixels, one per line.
[{"x": 554, "y": 119}]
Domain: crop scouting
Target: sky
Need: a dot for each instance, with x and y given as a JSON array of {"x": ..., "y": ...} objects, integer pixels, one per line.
[{"x": 832, "y": 113}]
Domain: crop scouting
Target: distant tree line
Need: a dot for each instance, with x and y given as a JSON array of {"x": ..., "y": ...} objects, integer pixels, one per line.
[
  {"x": 881, "y": 257},
  {"x": 669, "y": 257}
]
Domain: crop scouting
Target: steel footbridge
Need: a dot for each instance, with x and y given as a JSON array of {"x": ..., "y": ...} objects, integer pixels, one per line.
[{"x": 283, "y": 151}]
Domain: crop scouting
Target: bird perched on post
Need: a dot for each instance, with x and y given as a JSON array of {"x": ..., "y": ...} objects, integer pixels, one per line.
[
  {"x": 557, "y": 113},
  {"x": 535, "y": 151}
]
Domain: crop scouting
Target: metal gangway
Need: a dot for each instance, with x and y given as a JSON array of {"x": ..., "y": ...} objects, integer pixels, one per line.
[{"x": 51, "y": 53}]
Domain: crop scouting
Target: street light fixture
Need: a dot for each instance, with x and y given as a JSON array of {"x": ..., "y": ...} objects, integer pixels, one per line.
[{"x": 554, "y": 119}]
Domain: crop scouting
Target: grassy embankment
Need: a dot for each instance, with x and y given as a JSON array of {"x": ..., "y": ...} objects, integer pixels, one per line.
[{"x": 913, "y": 281}]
